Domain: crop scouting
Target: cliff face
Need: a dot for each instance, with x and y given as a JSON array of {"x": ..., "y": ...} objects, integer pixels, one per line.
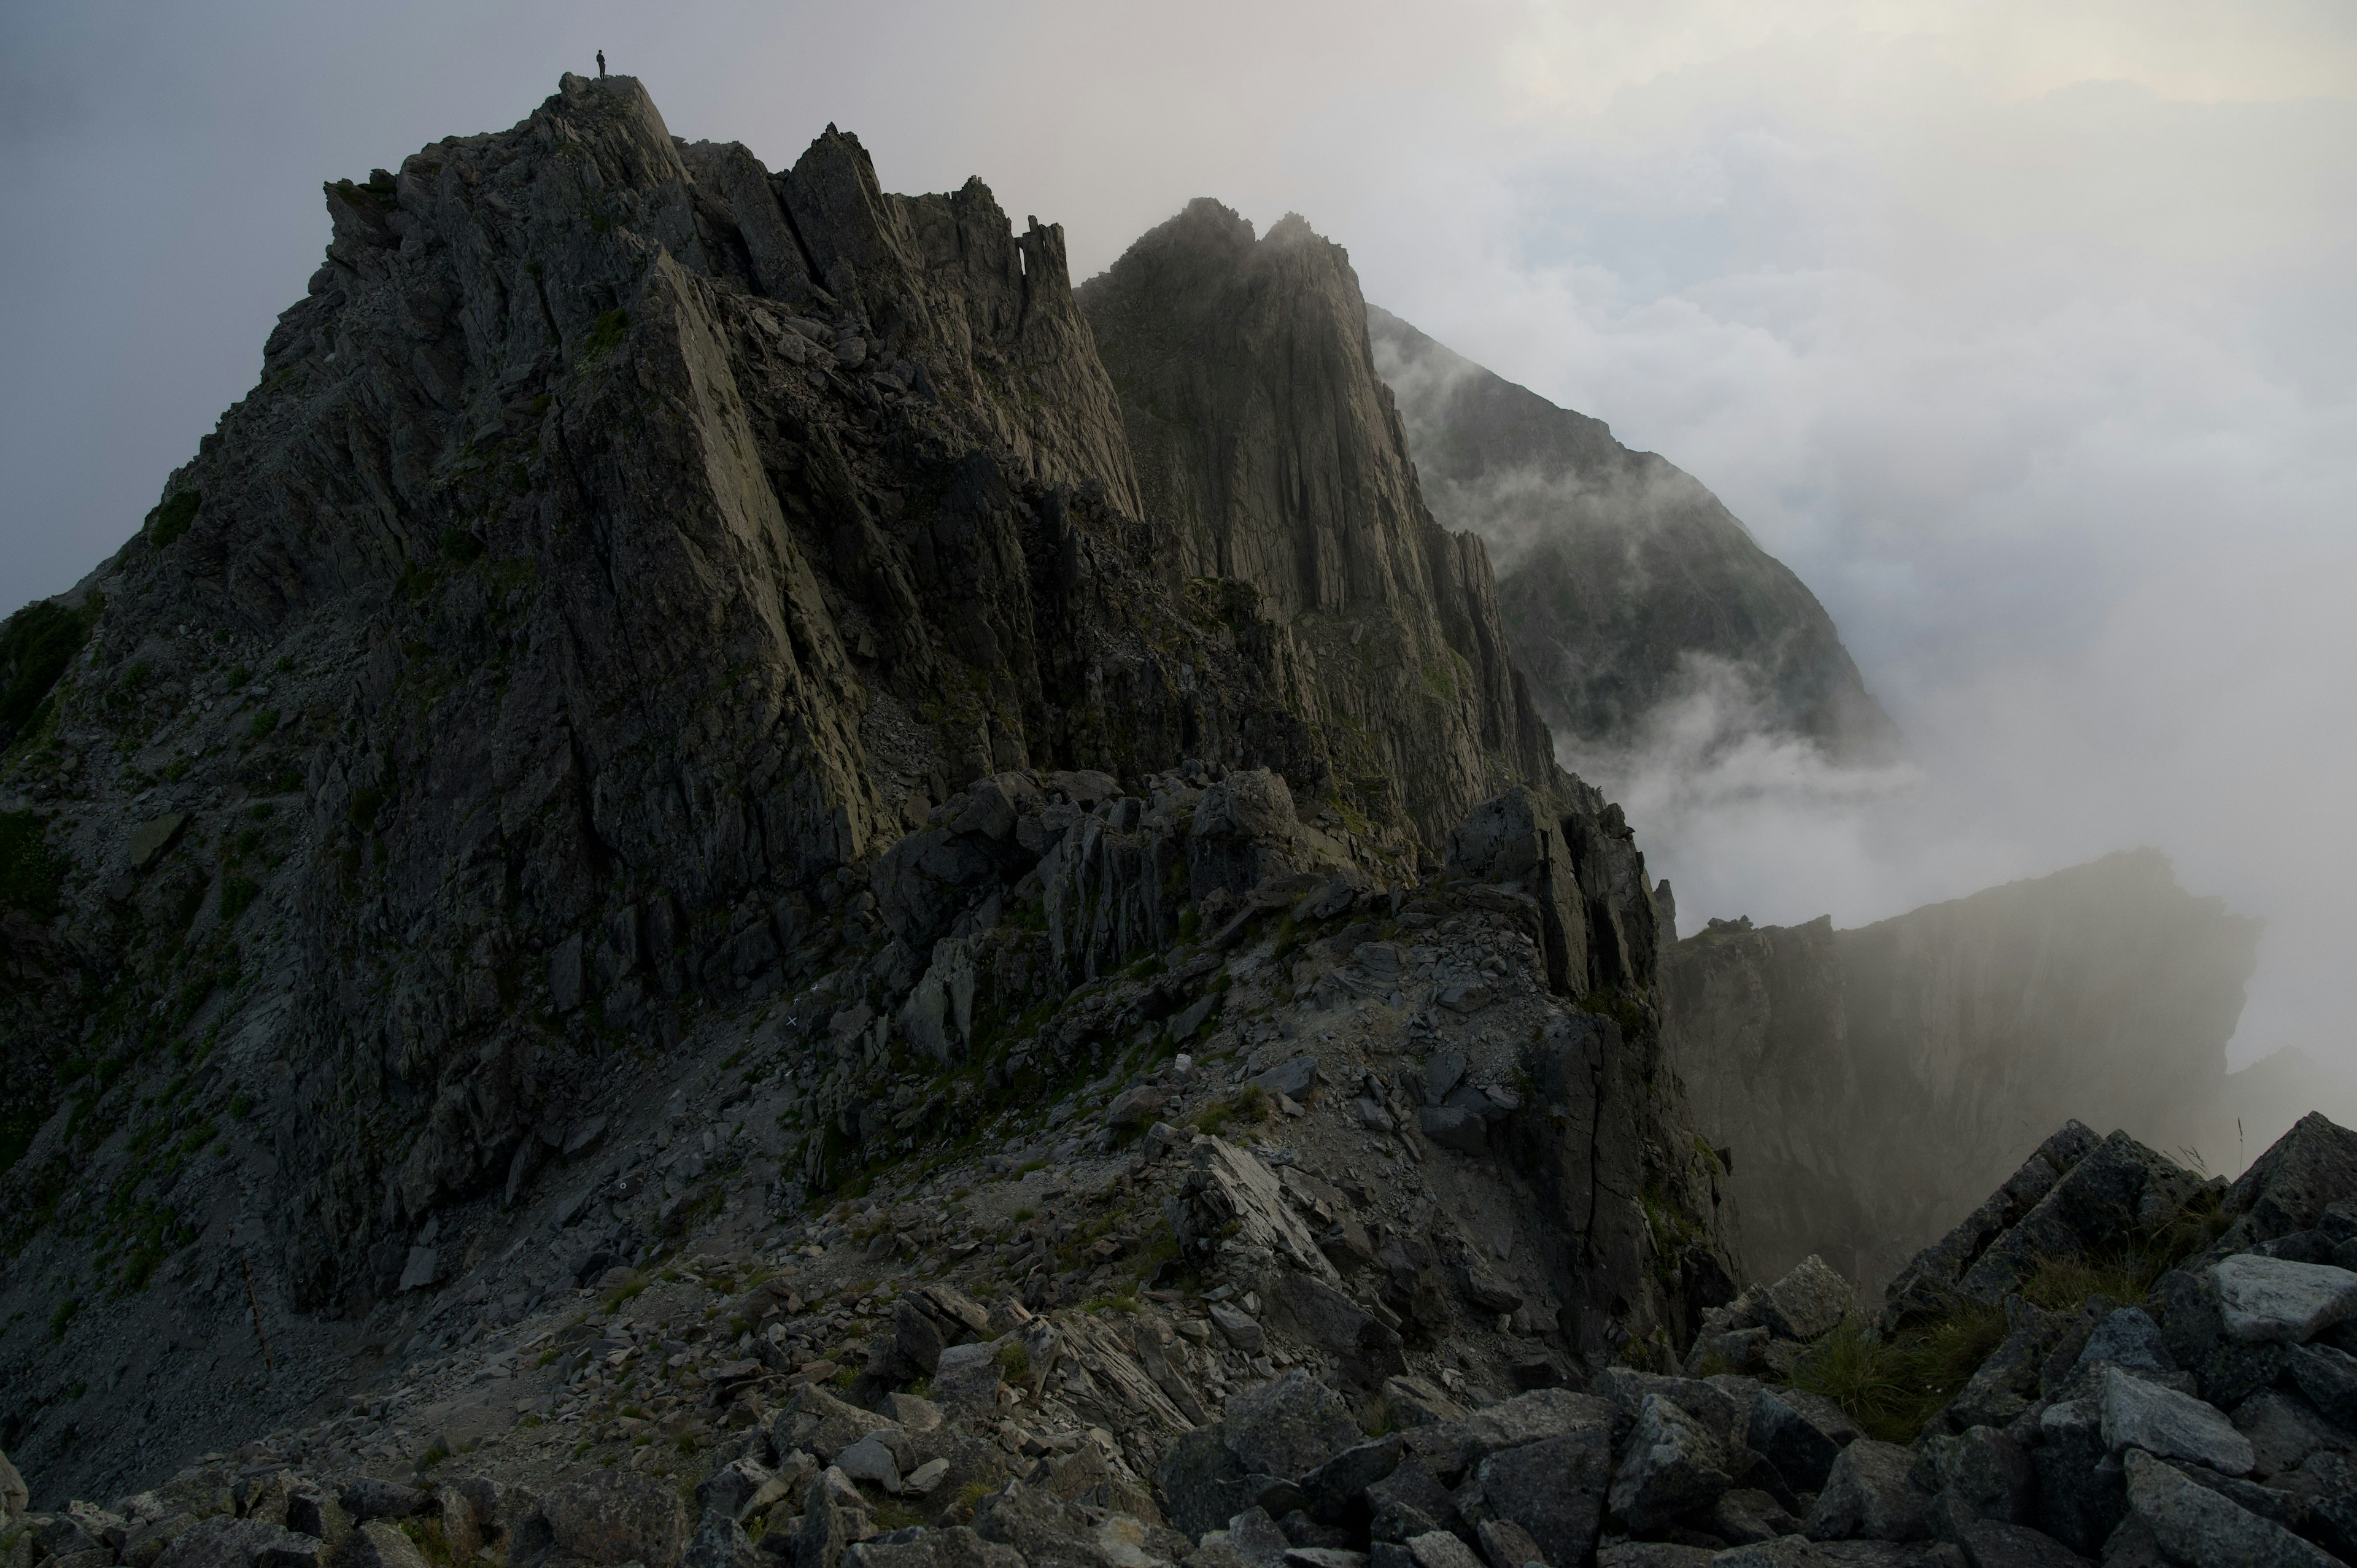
[
  {"x": 653, "y": 610},
  {"x": 1624, "y": 582},
  {"x": 1874, "y": 1084},
  {"x": 1268, "y": 450}
]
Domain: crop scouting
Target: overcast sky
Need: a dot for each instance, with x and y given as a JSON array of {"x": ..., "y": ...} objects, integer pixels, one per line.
[{"x": 2024, "y": 332}]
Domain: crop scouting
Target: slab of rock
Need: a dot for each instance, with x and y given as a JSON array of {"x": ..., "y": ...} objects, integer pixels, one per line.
[
  {"x": 1807, "y": 1303},
  {"x": 1870, "y": 1495},
  {"x": 1453, "y": 1128},
  {"x": 1227, "y": 1194},
  {"x": 817, "y": 1422},
  {"x": 2193, "y": 1524},
  {"x": 1238, "y": 1328},
  {"x": 966, "y": 1380},
  {"x": 2139, "y": 1414},
  {"x": 1290, "y": 1426},
  {"x": 2328, "y": 1377},
  {"x": 871, "y": 1459},
  {"x": 1655, "y": 1554},
  {"x": 1554, "y": 1488},
  {"x": 1801, "y": 1435},
  {"x": 2290, "y": 1187},
  {"x": 1439, "y": 1549},
  {"x": 1505, "y": 1544},
  {"x": 225, "y": 1542},
  {"x": 1672, "y": 1464},
  {"x": 374, "y": 1544},
  {"x": 1532, "y": 1417},
  {"x": 2274, "y": 1299},
  {"x": 1992, "y": 1543},
  {"x": 618, "y": 1517},
  {"x": 719, "y": 1543}
]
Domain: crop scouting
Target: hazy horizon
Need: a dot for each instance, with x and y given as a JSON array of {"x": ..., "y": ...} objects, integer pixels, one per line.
[{"x": 2022, "y": 335}]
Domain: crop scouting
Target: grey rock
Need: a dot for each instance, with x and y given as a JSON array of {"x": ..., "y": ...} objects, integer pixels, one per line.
[
  {"x": 1800, "y": 1433},
  {"x": 1505, "y": 1544},
  {"x": 1324, "y": 1557},
  {"x": 224, "y": 1543},
  {"x": 1554, "y": 1488},
  {"x": 2140, "y": 1414},
  {"x": 1336, "y": 1488},
  {"x": 1655, "y": 1554},
  {"x": 1983, "y": 1473},
  {"x": 13, "y": 1495},
  {"x": 374, "y": 1544},
  {"x": 1202, "y": 1482},
  {"x": 1671, "y": 1465},
  {"x": 1532, "y": 1417},
  {"x": 422, "y": 1270},
  {"x": 1807, "y": 1303},
  {"x": 1463, "y": 1131},
  {"x": 1227, "y": 1194},
  {"x": 720, "y": 1542},
  {"x": 2195, "y": 1525},
  {"x": 367, "y": 1497},
  {"x": 1407, "y": 1502},
  {"x": 835, "y": 1518},
  {"x": 1439, "y": 1549},
  {"x": 2328, "y": 1377},
  {"x": 1992, "y": 1543},
  {"x": 2271, "y": 1299},
  {"x": 871, "y": 1459},
  {"x": 2130, "y": 1339},
  {"x": 966, "y": 1380},
  {"x": 819, "y": 1423},
  {"x": 1293, "y": 1077},
  {"x": 1367, "y": 1349},
  {"x": 1288, "y": 1427},
  {"x": 1238, "y": 1328},
  {"x": 618, "y": 1518},
  {"x": 1871, "y": 1495},
  {"x": 1745, "y": 1515},
  {"x": 732, "y": 1488},
  {"x": 1418, "y": 1401},
  {"x": 2080, "y": 1486}
]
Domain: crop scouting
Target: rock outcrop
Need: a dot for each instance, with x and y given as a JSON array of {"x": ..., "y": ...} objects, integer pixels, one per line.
[
  {"x": 1624, "y": 582},
  {"x": 1269, "y": 452},
  {"x": 667, "y": 705},
  {"x": 1869, "y": 1085}
]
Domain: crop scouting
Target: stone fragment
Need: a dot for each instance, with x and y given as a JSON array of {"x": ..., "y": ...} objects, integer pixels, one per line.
[
  {"x": 375, "y": 1544},
  {"x": 1800, "y": 1433},
  {"x": 2080, "y": 1489},
  {"x": 13, "y": 1495},
  {"x": 1658, "y": 1554},
  {"x": 2139, "y": 1414},
  {"x": 1238, "y": 1328},
  {"x": 1554, "y": 1488},
  {"x": 2328, "y": 1377},
  {"x": 1418, "y": 1401},
  {"x": 423, "y": 1269},
  {"x": 1439, "y": 1549},
  {"x": 821, "y": 1424},
  {"x": 1744, "y": 1515},
  {"x": 1451, "y": 1128},
  {"x": 2195, "y": 1525},
  {"x": 367, "y": 1497},
  {"x": 966, "y": 1380},
  {"x": 925, "y": 1479},
  {"x": 1807, "y": 1303},
  {"x": 2292, "y": 1186},
  {"x": 1137, "y": 1105},
  {"x": 1992, "y": 1543},
  {"x": 719, "y": 1543},
  {"x": 1227, "y": 1194},
  {"x": 1871, "y": 1495},
  {"x": 2130, "y": 1339},
  {"x": 1534, "y": 1416},
  {"x": 871, "y": 1459},
  {"x": 618, "y": 1517},
  {"x": 1984, "y": 1473},
  {"x": 1671, "y": 1466},
  {"x": 2272, "y": 1299}
]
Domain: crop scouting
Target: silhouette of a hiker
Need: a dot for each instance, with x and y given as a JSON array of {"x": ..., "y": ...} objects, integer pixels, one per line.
[{"x": 601, "y": 65}]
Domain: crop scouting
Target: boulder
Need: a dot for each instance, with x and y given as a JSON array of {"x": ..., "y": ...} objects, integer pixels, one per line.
[
  {"x": 2079, "y": 1492},
  {"x": 1289, "y": 1426},
  {"x": 2195, "y": 1525},
  {"x": 1534, "y": 1417},
  {"x": 1992, "y": 1543},
  {"x": 1439, "y": 1549},
  {"x": 619, "y": 1517},
  {"x": 2290, "y": 1187},
  {"x": 1464, "y": 1130},
  {"x": 720, "y": 1542},
  {"x": 223, "y": 1541},
  {"x": 2271, "y": 1299},
  {"x": 1244, "y": 832},
  {"x": 374, "y": 1544},
  {"x": 2130, "y": 1339},
  {"x": 367, "y": 1497},
  {"x": 15, "y": 1498},
  {"x": 834, "y": 1518},
  {"x": 1800, "y": 1433},
  {"x": 1407, "y": 1502},
  {"x": 1367, "y": 1349},
  {"x": 1505, "y": 1544},
  {"x": 871, "y": 1459},
  {"x": 2328, "y": 1377},
  {"x": 1807, "y": 1303},
  {"x": 1238, "y": 1328},
  {"x": 966, "y": 1380},
  {"x": 1984, "y": 1473},
  {"x": 2140, "y": 1414},
  {"x": 1227, "y": 1194},
  {"x": 1745, "y": 1515},
  {"x": 821, "y": 1424},
  {"x": 1202, "y": 1482},
  {"x": 1554, "y": 1489},
  {"x": 1671, "y": 1466},
  {"x": 1871, "y": 1495}
]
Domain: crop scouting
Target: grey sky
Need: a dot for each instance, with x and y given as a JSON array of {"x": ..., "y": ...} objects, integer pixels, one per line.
[{"x": 2023, "y": 332}]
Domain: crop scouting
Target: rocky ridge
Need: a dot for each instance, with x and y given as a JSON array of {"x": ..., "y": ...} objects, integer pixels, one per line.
[
  {"x": 2114, "y": 1359},
  {"x": 1871, "y": 1084},
  {"x": 1624, "y": 584},
  {"x": 669, "y": 650}
]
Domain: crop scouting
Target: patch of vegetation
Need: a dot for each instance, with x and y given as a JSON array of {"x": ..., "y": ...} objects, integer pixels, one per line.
[
  {"x": 29, "y": 873},
  {"x": 606, "y": 333},
  {"x": 457, "y": 544},
  {"x": 63, "y": 1316},
  {"x": 238, "y": 892},
  {"x": 171, "y": 519},
  {"x": 1014, "y": 1360},
  {"x": 627, "y": 1290},
  {"x": 266, "y": 723},
  {"x": 37, "y": 643},
  {"x": 1892, "y": 1385}
]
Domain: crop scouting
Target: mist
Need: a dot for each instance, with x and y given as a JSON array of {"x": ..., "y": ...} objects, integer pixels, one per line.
[{"x": 2022, "y": 334}]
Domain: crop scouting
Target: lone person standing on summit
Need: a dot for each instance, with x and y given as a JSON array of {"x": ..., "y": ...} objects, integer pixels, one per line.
[{"x": 601, "y": 65}]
